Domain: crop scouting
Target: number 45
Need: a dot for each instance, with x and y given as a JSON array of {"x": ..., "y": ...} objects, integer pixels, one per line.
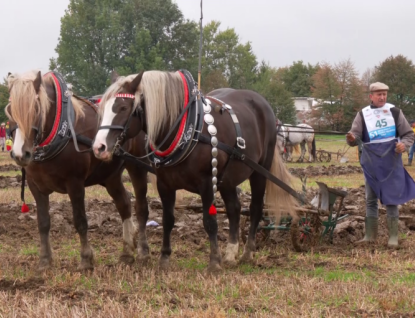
[{"x": 381, "y": 123}]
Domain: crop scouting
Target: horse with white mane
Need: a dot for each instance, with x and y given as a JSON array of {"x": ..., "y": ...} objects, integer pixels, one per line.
[{"x": 291, "y": 137}]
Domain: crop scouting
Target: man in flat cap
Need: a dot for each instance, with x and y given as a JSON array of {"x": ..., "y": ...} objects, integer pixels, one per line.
[{"x": 384, "y": 134}]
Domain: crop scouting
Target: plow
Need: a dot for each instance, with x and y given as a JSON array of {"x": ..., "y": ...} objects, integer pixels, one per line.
[
  {"x": 315, "y": 223},
  {"x": 325, "y": 156}
]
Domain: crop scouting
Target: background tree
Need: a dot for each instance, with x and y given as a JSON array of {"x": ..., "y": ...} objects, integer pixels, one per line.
[
  {"x": 268, "y": 84},
  {"x": 98, "y": 36},
  {"x": 399, "y": 74},
  {"x": 298, "y": 78},
  {"x": 4, "y": 100},
  {"x": 227, "y": 58},
  {"x": 340, "y": 93}
]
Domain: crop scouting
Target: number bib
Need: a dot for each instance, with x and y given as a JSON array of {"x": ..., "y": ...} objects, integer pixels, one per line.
[{"x": 379, "y": 123}]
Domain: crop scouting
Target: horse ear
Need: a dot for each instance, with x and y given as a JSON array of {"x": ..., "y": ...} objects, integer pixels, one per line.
[
  {"x": 114, "y": 76},
  {"x": 135, "y": 83},
  {"x": 37, "y": 82}
]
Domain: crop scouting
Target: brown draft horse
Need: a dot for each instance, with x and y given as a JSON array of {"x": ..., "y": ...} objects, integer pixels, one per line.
[
  {"x": 33, "y": 104},
  {"x": 155, "y": 101}
]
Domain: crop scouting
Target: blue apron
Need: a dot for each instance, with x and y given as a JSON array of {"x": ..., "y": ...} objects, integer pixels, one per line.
[{"x": 384, "y": 171}]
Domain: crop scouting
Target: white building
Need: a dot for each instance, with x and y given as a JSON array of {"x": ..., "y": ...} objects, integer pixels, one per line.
[{"x": 303, "y": 105}]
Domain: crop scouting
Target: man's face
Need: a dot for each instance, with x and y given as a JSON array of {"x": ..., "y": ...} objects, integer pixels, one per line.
[{"x": 378, "y": 98}]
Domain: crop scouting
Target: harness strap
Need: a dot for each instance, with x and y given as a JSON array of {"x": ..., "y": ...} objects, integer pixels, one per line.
[
  {"x": 68, "y": 94},
  {"x": 234, "y": 153},
  {"x": 176, "y": 123},
  {"x": 240, "y": 142},
  {"x": 128, "y": 157}
]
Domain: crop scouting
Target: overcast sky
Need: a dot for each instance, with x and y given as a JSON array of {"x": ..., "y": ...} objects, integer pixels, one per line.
[{"x": 281, "y": 31}]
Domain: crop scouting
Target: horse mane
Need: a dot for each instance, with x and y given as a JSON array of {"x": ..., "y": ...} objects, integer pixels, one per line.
[
  {"x": 163, "y": 94},
  {"x": 23, "y": 99}
]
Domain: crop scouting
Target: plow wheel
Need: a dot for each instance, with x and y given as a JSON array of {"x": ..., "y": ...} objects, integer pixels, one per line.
[
  {"x": 306, "y": 232},
  {"x": 324, "y": 156}
]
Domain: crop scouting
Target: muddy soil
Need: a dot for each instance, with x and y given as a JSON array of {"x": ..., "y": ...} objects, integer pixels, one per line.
[
  {"x": 104, "y": 221},
  {"x": 15, "y": 181},
  {"x": 332, "y": 170},
  {"x": 9, "y": 167}
]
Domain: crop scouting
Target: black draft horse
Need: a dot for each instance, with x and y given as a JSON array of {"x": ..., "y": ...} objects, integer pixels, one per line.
[
  {"x": 153, "y": 101},
  {"x": 33, "y": 107}
]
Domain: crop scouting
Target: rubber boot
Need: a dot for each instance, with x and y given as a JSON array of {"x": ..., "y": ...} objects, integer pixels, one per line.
[
  {"x": 393, "y": 228},
  {"x": 409, "y": 163},
  {"x": 371, "y": 230}
]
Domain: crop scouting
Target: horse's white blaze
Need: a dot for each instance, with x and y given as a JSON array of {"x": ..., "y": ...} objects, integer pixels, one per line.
[
  {"x": 18, "y": 144},
  {"x": 231, "y": 253},
  {"x": 128, "y": 232},
  {"x": 109, "y": 115}
]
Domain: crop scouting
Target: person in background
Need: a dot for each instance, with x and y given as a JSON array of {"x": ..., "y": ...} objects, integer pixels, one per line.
[
  {"x": 7, "y": 130},
  {"x": 9, "y": 144},
  {"x": 411, "y": 150},
  {"x": 2, "y": 136},
  {"x": 385, "y": 134}
]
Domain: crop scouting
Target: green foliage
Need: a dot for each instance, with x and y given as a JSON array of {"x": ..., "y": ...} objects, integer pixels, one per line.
[
  {"x": 341, "y": 95},
  {"x": 225, "y": 61},
  {"x": 269, "y": 85},
  {"x": 399, "y": 74},
  {"x": 128, "y": 35},
  {"x": 4, "y": 100},
  {"x": 298, "y": 78}
]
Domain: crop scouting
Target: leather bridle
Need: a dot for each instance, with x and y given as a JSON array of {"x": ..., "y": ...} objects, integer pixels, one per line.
[{"x": 138, "y": 111}]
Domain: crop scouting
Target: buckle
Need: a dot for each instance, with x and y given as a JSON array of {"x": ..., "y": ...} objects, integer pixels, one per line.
[{"x": 240, "y": 142}]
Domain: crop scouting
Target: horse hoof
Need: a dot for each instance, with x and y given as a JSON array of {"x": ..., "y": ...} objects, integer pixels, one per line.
[
  {"x": 246, "y": 258},
  {"x": 126, "y": 259},
  {"x": 214, "y": 268},
  {"x": 143, "y": 259},
  {"x": 164, "y": 264},
  {"x": 44, "y": 264},
  {"x": 230, "y": 262},
  {"x": 86, "y": 265}
]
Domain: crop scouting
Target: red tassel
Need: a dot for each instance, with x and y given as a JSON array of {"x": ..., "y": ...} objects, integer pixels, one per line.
[
  {"x": 25, "y": 208},
  {"x": 212, "y": 210}
]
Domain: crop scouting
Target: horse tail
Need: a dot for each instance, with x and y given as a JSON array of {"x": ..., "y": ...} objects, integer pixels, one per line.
[
  {"x": 296, "y": 148},
  {"x": 313, "y": 148},
  {"x": 278, "y": 200}
]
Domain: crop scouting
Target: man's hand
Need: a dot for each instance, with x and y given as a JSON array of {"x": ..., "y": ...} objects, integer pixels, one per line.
[
  {"x": 400, "y": 147},
  {"x": 350, "y": 137}
]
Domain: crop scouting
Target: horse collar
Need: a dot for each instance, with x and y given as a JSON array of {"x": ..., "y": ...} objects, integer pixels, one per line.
[
  {"x": 190, "y": 127},
  {"x": 60, "y": 134}
]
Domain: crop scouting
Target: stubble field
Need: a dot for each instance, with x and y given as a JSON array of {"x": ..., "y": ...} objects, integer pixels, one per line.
[{"x": 330, "y": 280}]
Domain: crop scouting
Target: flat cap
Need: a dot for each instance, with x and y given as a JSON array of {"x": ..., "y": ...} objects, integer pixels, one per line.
[{"x": 378, "y": 86}]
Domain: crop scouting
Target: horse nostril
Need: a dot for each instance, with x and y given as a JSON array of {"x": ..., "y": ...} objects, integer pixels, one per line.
[
  {"x": 27, "y": 155},
  {"x": 101, "y": 149}
]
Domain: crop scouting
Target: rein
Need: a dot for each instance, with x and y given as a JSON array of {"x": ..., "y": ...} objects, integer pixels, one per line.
[{"x": 317, "y": 132}]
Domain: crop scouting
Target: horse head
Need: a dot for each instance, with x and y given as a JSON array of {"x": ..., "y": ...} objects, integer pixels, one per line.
[
  {"x": 27, "y": 114},
  {"x": 122, "y": 115}
]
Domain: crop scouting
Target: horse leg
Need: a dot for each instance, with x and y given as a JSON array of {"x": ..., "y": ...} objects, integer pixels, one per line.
[
  {"x": 309, "y": 147},
  {"x": 233, "y": 211},
  {"x": 302, "y": 151},
  {"x": 122, "y": 201},
  {"x": 210, "y": 224},
  {"x": 76, "y": 192},
  {"x": 139, "y": 181},
  {"x": 168, "y": 198},
  {"x": 43, "y": 223},
  {"x": 258, "y": 184}
]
